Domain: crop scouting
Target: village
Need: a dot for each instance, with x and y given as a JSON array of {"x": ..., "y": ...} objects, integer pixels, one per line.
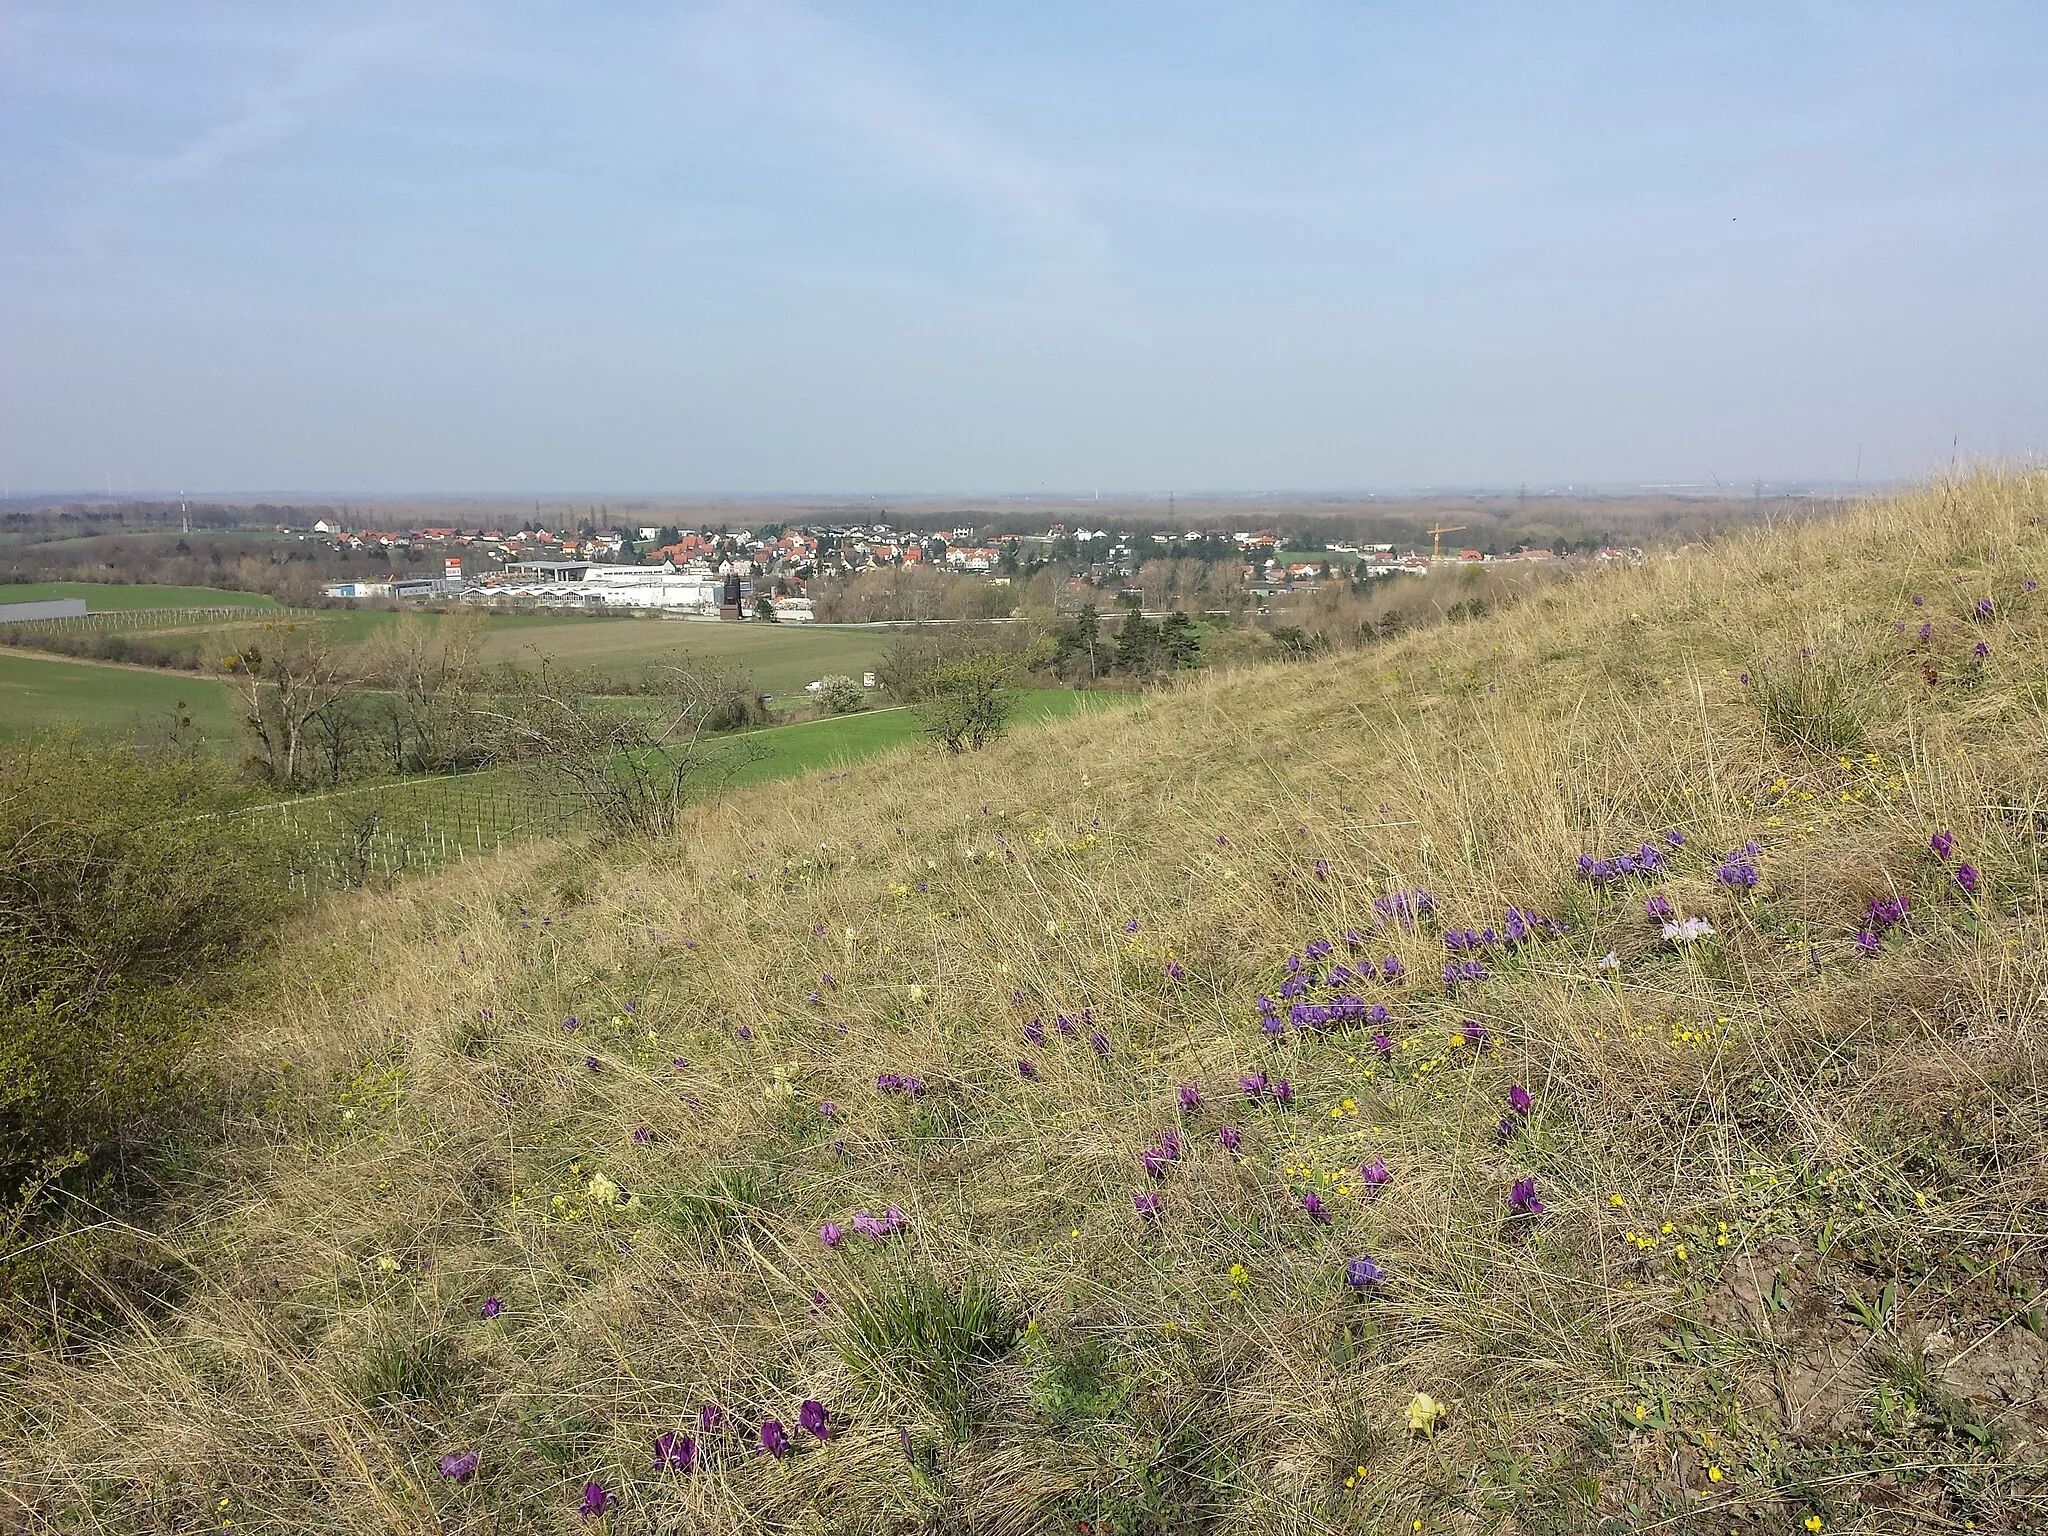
[{"x": 692, "y": 572}]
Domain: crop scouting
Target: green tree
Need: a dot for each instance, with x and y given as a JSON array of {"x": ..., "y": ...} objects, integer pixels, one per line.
[
  {"x": 1180, "y": 640},
  {"x": 964, "y": 704}
]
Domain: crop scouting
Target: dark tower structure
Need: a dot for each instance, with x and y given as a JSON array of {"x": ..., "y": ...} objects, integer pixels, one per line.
[{"x": 729, "y": 600}]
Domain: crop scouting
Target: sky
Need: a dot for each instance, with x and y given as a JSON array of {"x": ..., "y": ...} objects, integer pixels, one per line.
[{"x": 956, "y": 246}]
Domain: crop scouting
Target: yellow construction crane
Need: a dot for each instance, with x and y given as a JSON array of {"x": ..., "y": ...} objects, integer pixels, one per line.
[{"x": 1436, "y": 540}]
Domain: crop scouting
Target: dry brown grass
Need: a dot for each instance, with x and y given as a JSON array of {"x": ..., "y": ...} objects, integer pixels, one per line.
[{"x": 404, "y": 1090}]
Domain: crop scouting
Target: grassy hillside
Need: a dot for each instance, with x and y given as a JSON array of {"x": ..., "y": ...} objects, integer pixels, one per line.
[{"x": 1728, "y": 1231}]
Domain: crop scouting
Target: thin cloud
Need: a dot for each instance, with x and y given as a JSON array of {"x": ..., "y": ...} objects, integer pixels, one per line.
[
  {"x": 778, "y": 59},
  {"x": 279, "y": 108}
]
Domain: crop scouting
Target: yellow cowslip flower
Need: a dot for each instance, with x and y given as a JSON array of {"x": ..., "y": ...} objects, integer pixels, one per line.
[
  {"x": 1617, "y": 1202},
  {"x": 1813, "y": 1522},
  {"x": 1714, "y": 1474},
  {"x": 386, "y": 1264},
  {"x": 601, "y": 1190},
  {"x": 1423, "y": 1413}
]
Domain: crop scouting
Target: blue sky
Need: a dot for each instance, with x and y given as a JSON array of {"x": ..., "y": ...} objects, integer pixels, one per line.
[{"x": 1127, "y": 245}]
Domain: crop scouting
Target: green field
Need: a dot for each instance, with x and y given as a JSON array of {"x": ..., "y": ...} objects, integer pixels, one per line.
[
  {"x": 107, "y": 597},
  {"x": 38, "y": 692},
  {"x": 784, "y": 751}
]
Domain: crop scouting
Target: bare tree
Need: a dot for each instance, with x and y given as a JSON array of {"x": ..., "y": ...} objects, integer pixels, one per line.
[
  {"x": 283, "y": 685},
  {"x": 633, "y": 763}
]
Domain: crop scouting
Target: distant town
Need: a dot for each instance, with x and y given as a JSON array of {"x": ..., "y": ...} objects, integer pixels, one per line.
[{"x": 770, "y": 573}]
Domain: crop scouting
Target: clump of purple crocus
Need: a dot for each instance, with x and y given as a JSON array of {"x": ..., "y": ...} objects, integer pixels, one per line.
[
  {"x": 1147, "y": 1206},
  {"x": 1161, "y": 1155},
  {"x": 814, "y": 1420},
  {"x": 1384, "y": 1045},
  {"x": 1362, "y": 1272},
  {"x": 1027, "y": 1070},
  {"x": 1404, "y": 907},
  {"x": 1738, "y": 869},
  {"x": 1313, "y": 1208},
  {"x": 1190, "y": 1098},
  {"x": 1966, "y": 877},
  {"x": 596, "y": 1500},
  {"x": 1519, "y": 1101},
  {"x": 1228, "y": 1138},
  {"x": 889, "y": 1082},
  {"x": 1984, "y": 608},
  {"x": 1470, "y": 970},
  {"x": 1474, "y": 1035},
  {"x": 1035, "y": 1031},
  {"x": 1254, "y": 1086},
  {"x": 492, "y": 1307},
  {"x": 461, "y": 1465},
  {"x": 1174, "y": 971},
  {"x": 710, "y": 1419},
  {"x": 1942, "y": 845},
  {"x": 1658, "y": 909},
  {"x": 1645, "y": 861},
  {"x": 1065, "y": 1025},
  {"x": 888, "y": 1224},
  {"x": 831, "y": 1234},
  {"x": 774, "y": 1438},
  {"x": 1374, "y": 1175},
  {"x": 1099, "y": 1042},
  {"x": 674, "y": 1452},
  {"x": 1522, "y": 1199}
]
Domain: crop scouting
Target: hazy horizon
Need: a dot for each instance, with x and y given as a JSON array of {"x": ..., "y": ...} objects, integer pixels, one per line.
[{"x": 762, "y": 248}]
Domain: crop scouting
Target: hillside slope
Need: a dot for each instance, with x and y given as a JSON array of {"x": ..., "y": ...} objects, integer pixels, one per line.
[{"x": 533, "y": 1159}]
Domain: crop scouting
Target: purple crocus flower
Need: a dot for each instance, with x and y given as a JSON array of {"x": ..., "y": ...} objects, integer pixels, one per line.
[
  {"x": 1522, "y": 1199},
  {"x": 774, "y": 1439},
  {"x": 461, "y": 1465},
  {"x": 1519, "y": 1100},
  {"x": 1228, "y": 1137},
  {"x": 642, "y": 1137},
  {"x": 814, "y": 1419},
  {"x": 1131, "y": 925},
  {"x": 1926, "y": 633},
  {"x": 1375, "y": 1176},
  {"x": 1313, "y": 1207},
  {"x": 1674, "y": 837},
  {"x": 1507, "y": 1128},
  {"x": 1099, "y": 1041},
  {"x": 1027, "y": 1070},
  {"x": 1984, "y": 608},
  {"x": 1866, "y": 941},
  {"x": 1391, "y": 969},
  {"x": 570, "y": 1022},
  {"x": 831, "y": 1234},
  {"x": 1362, "y": 1272},
  {"x": 1190, "y": 1098},
  {"x": 674, "y": 1452},
  {"x": 1966, "y": 877},
  {"x": 1283, "y": 1093},
  {"x": 1253, "y": 1086},
  {"x": 1173, "y": 970},
  {"x": 595, "y": 1500},
  {"x": 1035, "y": 1031},
  {"x": 1983, "y": 649},
  {"x": 1146, "y": 1206},
  {"x": 1474, "y": 1034},
  {"x": 1384, "y": 1045},
  {"x": 1941, "y": 845},
  {"x": 827, "y": 1109},
  {"x": 1658, "y": 909},
  {"x": 493, "y": 1307},
  {"x": 1064, "y": 1025},
  {"x": 710, "y": 1419}
]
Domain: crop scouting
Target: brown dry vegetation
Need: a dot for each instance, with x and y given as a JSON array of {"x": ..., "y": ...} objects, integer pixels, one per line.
[{"x": 1791, "y": 1264}]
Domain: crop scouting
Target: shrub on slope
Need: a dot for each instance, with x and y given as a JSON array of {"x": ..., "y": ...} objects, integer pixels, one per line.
[{"x": 1505, "y": 1077}]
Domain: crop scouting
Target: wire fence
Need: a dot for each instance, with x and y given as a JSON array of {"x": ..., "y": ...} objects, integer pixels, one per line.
[
  {"x": 154, "y": 618},
  {"x": 350, "y": 838}
]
